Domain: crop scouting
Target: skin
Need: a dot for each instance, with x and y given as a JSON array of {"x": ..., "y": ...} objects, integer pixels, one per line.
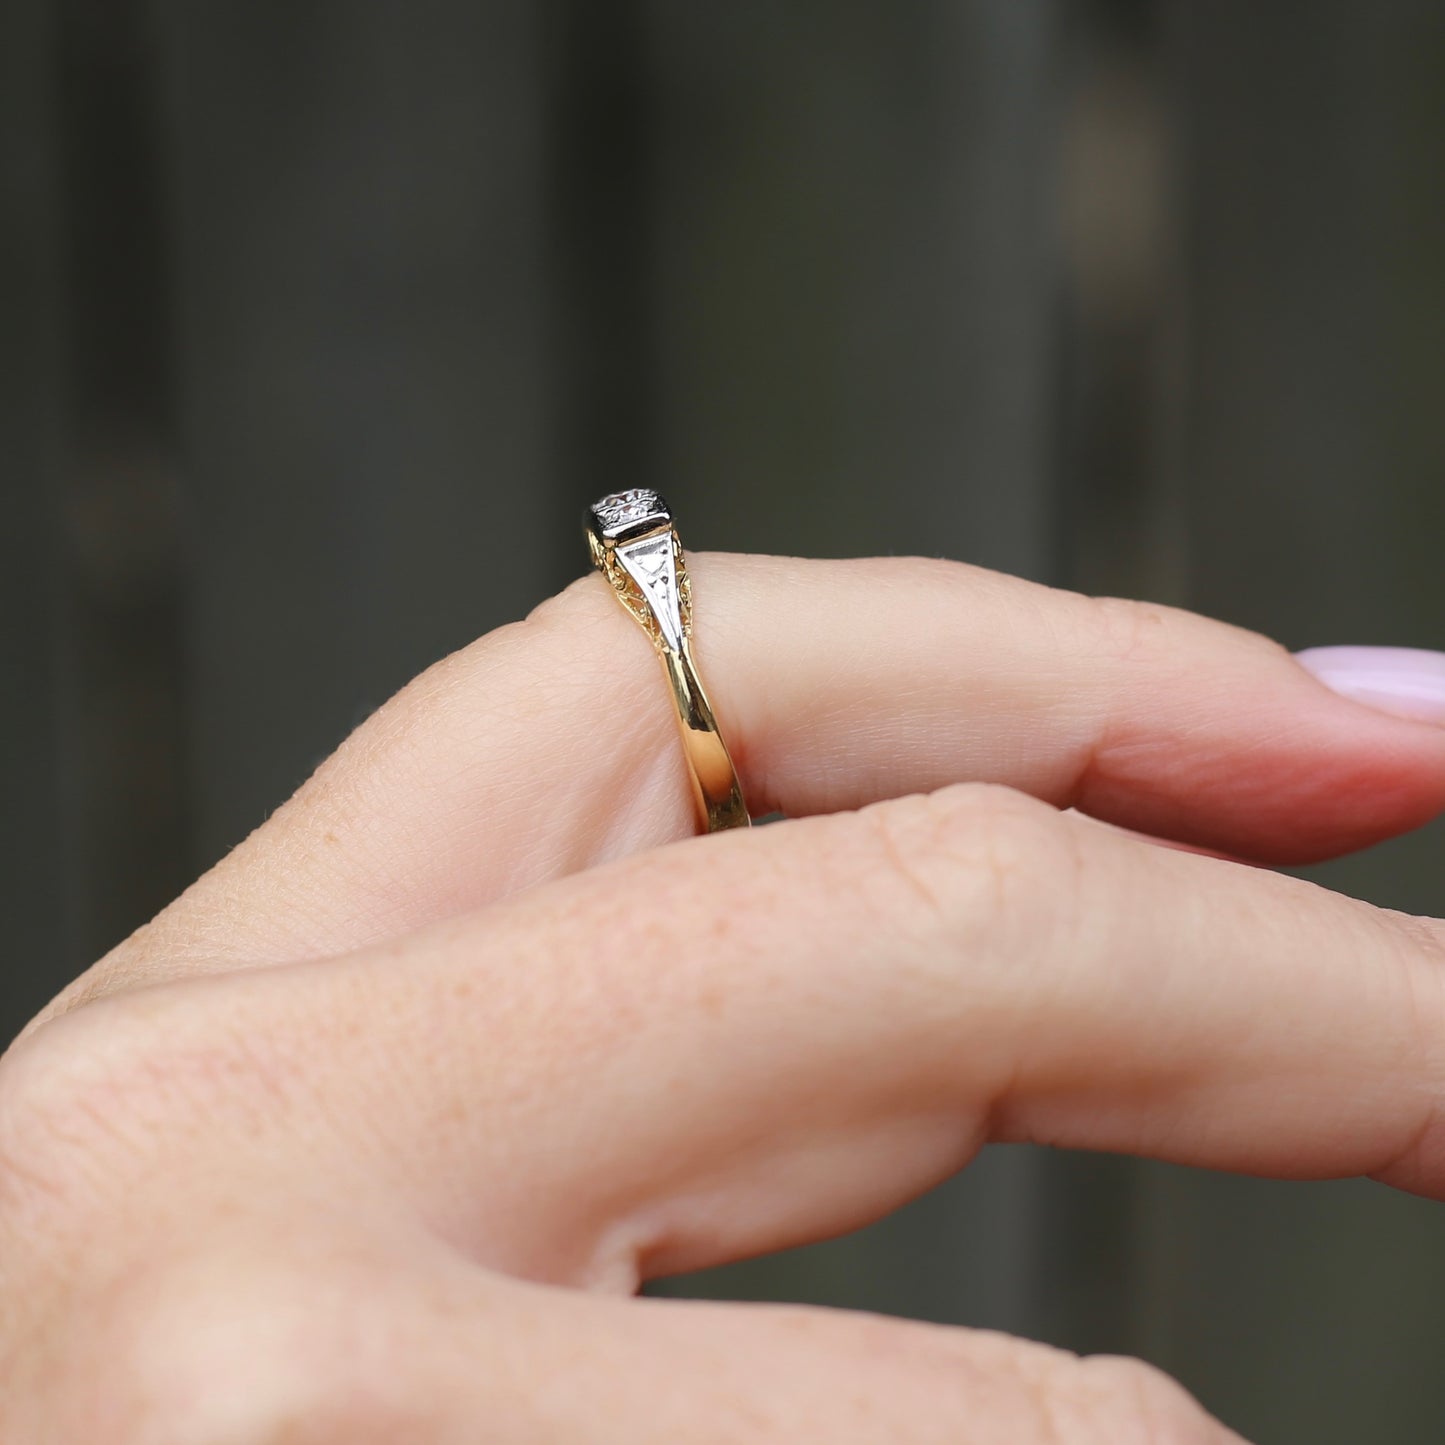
[{"x": 373, "y": 1133}]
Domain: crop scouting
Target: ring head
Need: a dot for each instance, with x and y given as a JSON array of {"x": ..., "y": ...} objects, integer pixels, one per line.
[{"x": 624, "y": 514}]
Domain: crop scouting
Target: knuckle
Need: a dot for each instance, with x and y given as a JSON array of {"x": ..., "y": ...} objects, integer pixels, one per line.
[
  {"x": 171, "y": 1345},
  {"x": 1415, "y": 949},
  {"x": 1124, "y": 1401},
  {"x": 125, "y": 1127},
  {"x": 1130, "y": 630},
  {"x": 975, "y": 858},
  {"x": 1422, "y": 940},
  {"x": 93, "y": 1099},
  {"x": 897, "y": 841},
  {"x": 55, "y": 1105},
  {"x": 1418, "y": 956}
]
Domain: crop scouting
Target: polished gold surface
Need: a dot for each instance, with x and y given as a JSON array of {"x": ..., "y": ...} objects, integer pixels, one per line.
[{"x": 647, "y": 570}]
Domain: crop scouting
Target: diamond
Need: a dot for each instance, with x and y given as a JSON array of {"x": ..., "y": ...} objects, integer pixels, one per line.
[{"x": 624, "y": 511}]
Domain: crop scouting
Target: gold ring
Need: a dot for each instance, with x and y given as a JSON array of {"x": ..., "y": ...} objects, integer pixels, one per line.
[{"x": 635, "y": 546}]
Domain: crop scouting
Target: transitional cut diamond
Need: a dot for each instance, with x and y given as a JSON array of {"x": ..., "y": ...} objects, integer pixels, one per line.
[{"x": 625, "y": 511}]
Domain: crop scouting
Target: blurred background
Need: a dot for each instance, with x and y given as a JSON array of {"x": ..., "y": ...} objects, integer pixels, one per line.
[{"x": 1138, "y": 296}]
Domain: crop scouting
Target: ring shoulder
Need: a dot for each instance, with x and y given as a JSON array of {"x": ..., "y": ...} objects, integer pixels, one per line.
[{"x": 649, "y": 576}]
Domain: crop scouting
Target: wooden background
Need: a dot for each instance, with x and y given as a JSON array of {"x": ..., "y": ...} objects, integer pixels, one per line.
[{"x": 1142, "y": 296}]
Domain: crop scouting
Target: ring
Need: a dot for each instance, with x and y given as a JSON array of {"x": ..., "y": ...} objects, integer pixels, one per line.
[{"x": 636, "y": 547}]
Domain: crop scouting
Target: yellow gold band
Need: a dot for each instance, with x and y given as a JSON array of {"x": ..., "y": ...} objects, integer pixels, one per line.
[{"x": 635, "y": 545}]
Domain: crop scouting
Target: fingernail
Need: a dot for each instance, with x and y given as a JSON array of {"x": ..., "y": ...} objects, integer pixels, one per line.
[{"x": 1406, "y": 681}]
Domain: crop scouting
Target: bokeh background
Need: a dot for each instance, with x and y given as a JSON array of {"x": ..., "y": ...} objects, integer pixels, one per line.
[{"x": 322, "y": 320}]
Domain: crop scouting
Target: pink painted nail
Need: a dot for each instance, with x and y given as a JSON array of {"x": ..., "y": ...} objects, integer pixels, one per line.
[{"x": 1406, "y": 681}]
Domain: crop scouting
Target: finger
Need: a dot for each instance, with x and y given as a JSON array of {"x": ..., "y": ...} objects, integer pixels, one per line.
[
  {"x": 749, "y": 1041},
  {"x": 654, "y": 1372},
  {"x": 550, "y": 745},
  {"x": 361, "y": 1341}
]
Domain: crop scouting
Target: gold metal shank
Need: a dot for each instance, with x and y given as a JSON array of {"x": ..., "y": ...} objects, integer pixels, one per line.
[{"x": 646, "y": 567}]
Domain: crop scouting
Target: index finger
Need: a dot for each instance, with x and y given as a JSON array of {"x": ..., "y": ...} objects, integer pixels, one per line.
[{"x": 760, "y": 1040}]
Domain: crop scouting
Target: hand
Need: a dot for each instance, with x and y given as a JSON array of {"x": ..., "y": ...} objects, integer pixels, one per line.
[{"x": 372, "y": 1134}]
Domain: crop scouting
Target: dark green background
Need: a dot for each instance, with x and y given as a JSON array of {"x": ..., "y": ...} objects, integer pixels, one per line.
[{"x": 1140, "y": 297}]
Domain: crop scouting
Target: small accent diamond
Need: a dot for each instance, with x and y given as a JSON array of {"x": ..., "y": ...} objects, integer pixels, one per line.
[{"x": 622, "y": 511}]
